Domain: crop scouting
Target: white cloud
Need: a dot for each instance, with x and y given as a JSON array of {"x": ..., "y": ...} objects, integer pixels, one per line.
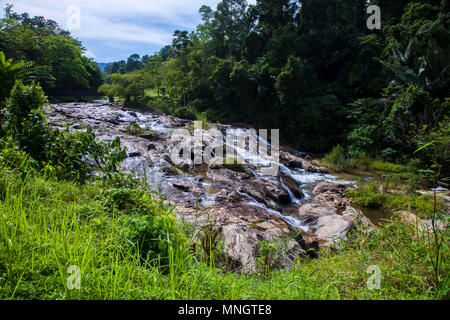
[{"x": 89, "y": 54}]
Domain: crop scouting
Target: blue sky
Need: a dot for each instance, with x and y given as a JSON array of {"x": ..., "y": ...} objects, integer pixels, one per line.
[{"x": 112, "y": 30}]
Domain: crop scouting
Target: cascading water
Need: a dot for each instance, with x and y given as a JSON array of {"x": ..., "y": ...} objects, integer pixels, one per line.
[{"x": 110, "y": 122}]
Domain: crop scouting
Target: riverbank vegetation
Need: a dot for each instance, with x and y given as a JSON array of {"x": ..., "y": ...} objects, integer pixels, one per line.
[
  {"x": 126, "y": 243},
  {"x": 128, "y": 246}
]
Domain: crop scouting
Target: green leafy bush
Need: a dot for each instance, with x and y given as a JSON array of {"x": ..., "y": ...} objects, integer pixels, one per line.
[
  {"x": 149, "y": 227},
  {"x": 153, "y": 236},
  {"x": 68, "y": 155},
  {"x": 422, "y": 205},
  {"x": 368, "y": 195},
  {"x": 75, "y": 155},
  {"x": 336, "y": 159},
  {"x": 22, "y": 101},
  {"x": 361, "y": 139}
]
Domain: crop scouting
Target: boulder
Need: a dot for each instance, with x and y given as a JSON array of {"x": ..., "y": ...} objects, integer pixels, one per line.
[
  {"x": 358, "y": 217},
  {"x": 329, "y": 187},
  {"x": 242, "y": 244},
  {"x": 183, "y": 186},
  {"x": 292, "y": 184},
  {"x": 331, "y": 228},
  {"x": 315, "y": 209}
]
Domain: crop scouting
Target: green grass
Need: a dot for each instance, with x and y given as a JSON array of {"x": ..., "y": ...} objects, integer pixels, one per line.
[
  {"x": 47, "y": 226},
  {"x": 338, "y": 161},
  {"x": 372, "y": 195}
]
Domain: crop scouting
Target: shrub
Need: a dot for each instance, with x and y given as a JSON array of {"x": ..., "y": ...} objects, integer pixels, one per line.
[
  {"x": 132, "y": 202},
  {"x": 422, "y": 205},
  {"x": 361, "y": 161},
  {"x": 361, "y": 139},
  {"x": 10, "y": 72},
  {"x": 12, "y": 157},
  {"x": 153, "y": 236},
  {"x": 336, "y": 160},
  {"x": 69, "y": 155},
  {"x": 22, "y": 101},
  {"x": 368, "y": 195},
  {"x": 75, "y": 155}
]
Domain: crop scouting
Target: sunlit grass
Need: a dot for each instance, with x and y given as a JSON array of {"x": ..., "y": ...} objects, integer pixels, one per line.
[{"x": 47, "y": 226}]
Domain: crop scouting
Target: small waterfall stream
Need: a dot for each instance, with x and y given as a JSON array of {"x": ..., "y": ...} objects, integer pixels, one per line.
[{"x": 109, "y": 122}]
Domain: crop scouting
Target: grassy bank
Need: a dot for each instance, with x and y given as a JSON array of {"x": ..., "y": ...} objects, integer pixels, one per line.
[{"x": 47, "y": 226}]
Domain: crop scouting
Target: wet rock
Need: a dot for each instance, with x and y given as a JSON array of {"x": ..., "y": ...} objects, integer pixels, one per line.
[
  {"x": 272, "y": 228},
  {"x": 332, "y": 193},
  {"x": 308, "y": 242},
  {"x": 242, "y": 244},
  {"x": 199, "y": 178},
  {"x": 133, "y": 154},
  {"x": 311, "y": 168},
  {"x": 290, "y": 160},
  {"x": 329, "y": 187},
  {"x": 336, "y": 200},
  {"x": 227, "y": 196},
  {"x": 357, "y": 217},
  {"x": 183, "y": 186},
  {"x": 324, "y": 222},
  {"x": 315, "y": 209},
  {"x": 292, "y": 184},
  {"x": 242, "y": 203},
  {"x": 269, "y": 190}
]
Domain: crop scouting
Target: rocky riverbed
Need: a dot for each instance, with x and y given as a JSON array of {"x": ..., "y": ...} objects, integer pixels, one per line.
[{"x": 302, "y": 206}]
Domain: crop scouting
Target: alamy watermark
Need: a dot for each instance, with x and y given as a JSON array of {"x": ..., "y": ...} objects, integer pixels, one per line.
[
  {"x": 374, "y": 21},
  {"x": 73, "y": 18},
  {"x": 239, "y": 146},
  {"x": 374, "y": 281},
  {"x": 74, "y": 279}
]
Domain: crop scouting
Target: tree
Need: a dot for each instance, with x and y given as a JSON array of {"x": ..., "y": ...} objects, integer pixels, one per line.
[
  {"x": 130, "y": 86},
  {"x": 58, "y": 58},
  {"x": 134, "y": 63}
]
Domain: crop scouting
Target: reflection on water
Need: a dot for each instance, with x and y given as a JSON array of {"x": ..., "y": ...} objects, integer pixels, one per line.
[{"x": 377, "y": 216}]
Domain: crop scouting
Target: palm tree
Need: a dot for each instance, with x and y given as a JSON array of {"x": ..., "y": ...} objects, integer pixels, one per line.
[{"x": 10, "y": 71}]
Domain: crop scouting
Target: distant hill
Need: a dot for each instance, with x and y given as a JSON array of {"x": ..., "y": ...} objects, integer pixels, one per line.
[{"x": 103, "y": 65}]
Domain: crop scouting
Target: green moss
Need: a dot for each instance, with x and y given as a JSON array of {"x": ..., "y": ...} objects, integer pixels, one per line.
[
  {"x": 422, "y": 205},
  {"x": 135, "y": 130},
  {"x": 234, "y": 165}
]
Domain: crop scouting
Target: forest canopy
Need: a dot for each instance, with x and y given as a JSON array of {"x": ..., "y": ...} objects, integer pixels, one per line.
[{"x": 311, "y": 68}]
